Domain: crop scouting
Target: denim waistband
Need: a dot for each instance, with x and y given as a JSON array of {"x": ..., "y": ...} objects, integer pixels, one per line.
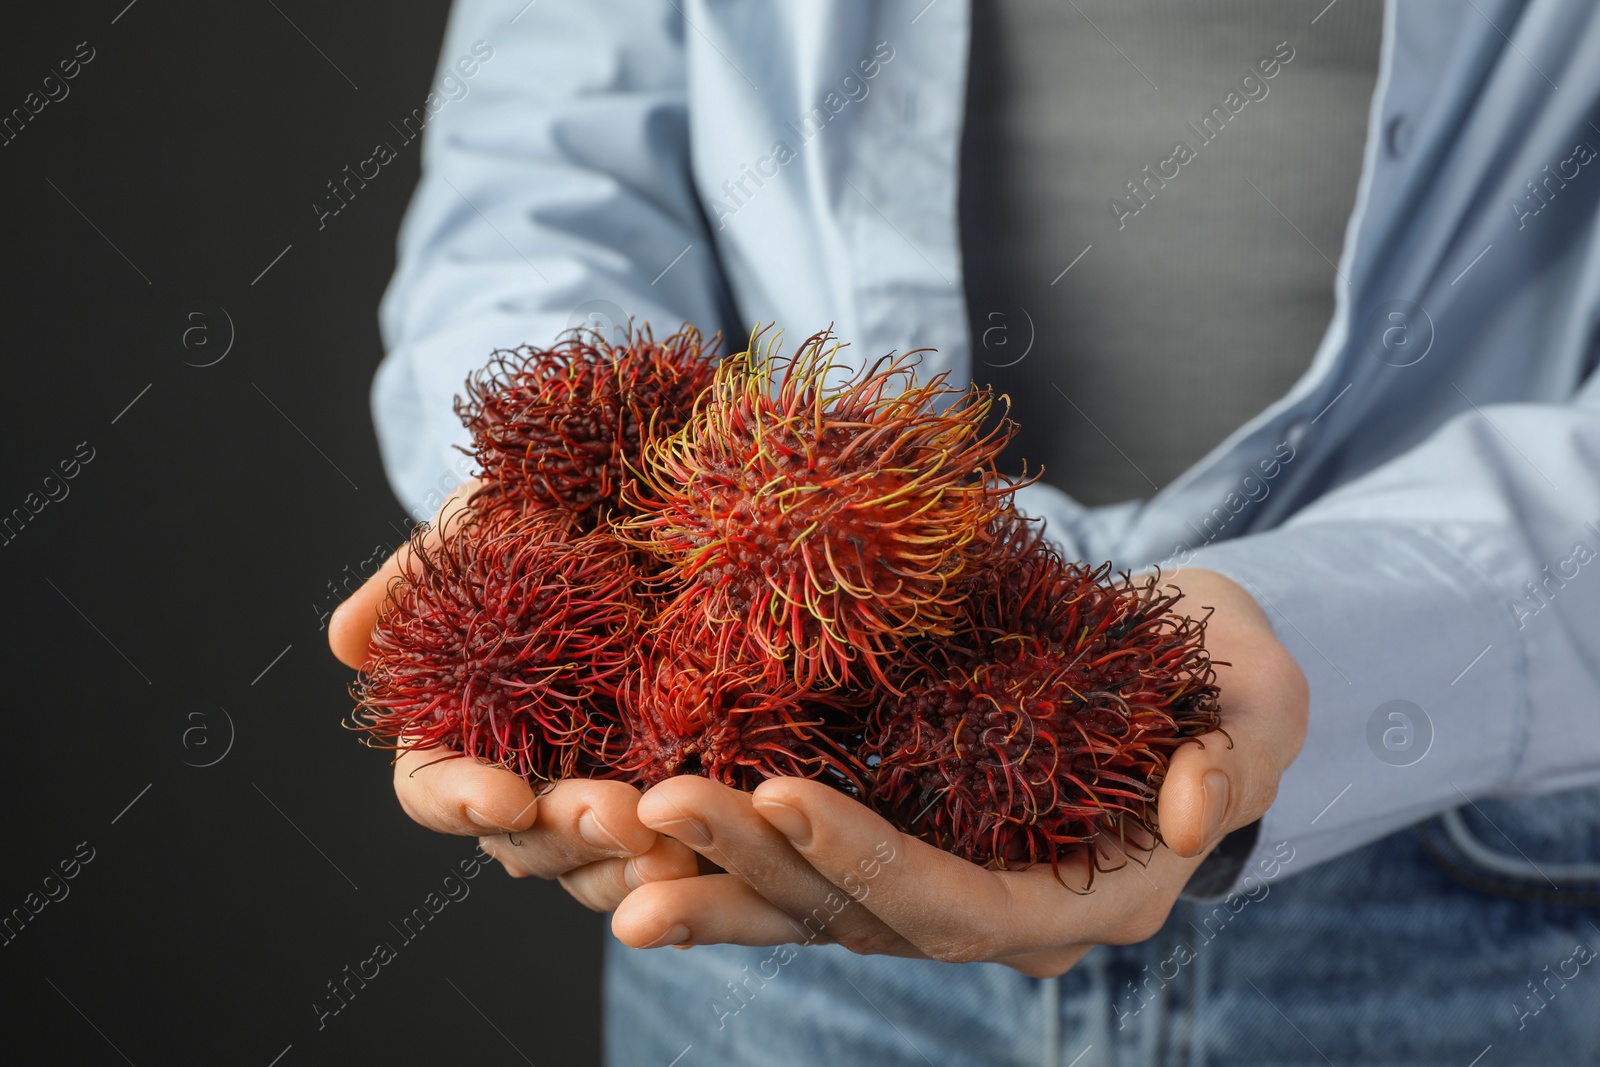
[{"x": 1387, "y": 955}]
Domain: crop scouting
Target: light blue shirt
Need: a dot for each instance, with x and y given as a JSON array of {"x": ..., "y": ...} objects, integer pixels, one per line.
[{"x": 1419, "y": 515}]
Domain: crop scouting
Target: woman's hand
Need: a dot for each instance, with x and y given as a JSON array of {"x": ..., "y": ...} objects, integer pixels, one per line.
[
  {"x": 587, "y": 834},
  {"x": 807, "y": 864}
]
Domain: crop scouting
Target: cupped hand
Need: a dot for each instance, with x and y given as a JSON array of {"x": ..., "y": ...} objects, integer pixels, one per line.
[
  {"x": 805, "y": 863},
  {"x": 587, "y": 834}
]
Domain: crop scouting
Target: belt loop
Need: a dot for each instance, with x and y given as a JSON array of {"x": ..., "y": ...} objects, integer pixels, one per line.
[{"x": 1050, "y": 991}]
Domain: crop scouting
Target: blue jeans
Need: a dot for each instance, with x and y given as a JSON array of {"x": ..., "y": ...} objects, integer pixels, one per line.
[{"x": 1445, "y": 944}]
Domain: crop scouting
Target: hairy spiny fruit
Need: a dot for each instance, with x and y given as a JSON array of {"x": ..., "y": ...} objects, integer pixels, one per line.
[
  {"x": 1044, "y": 726},
  {"x": 560, "y": 428},
  {"x": 778, "y": 566},
  {"x": 831, "y": 515},
  {"x": 706, "y": 703},
  {"x": 508, "y": 642}
]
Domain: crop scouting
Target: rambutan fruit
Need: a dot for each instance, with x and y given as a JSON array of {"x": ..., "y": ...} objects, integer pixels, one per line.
[
  {"x": 507, "y": 642},
  {"x": 828, "y": 514},
  {"x": 710, "y": 704},
  {"x": 560, "y": 428},
  {"x": 779, "y": 566},
  {"x": 1044, "y": 726}
]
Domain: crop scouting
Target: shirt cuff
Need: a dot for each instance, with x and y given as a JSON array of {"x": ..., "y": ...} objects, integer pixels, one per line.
[
  {"x": 1219, "y": 872},
  {"x": 1415, "y": 674}
]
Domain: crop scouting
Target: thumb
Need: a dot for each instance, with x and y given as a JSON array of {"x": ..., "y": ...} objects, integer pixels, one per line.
[
  {"x": 1230, "y": 778},
  {"x": 1205, "y": 793},
  {"x": 350, "y": 628}
]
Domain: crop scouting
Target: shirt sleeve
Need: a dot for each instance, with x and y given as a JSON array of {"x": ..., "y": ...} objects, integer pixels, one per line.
[
  {"x": 1445, "y": 608},
  {"x": 555, "y": 191}
]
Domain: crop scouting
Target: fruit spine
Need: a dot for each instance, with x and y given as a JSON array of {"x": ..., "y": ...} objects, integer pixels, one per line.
[
  {"x": 832, "y": 515},
  {"x": 1046, "y": 723}
]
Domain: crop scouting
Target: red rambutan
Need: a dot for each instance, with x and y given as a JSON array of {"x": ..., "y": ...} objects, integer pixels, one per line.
[
  {"x": 848, "y": 596},
  {"x": 707, "y": 703},
  {"x": 560, "y": 428},
  {"x": 508, "y": 642},
  {"x": 831, "y": 519},
  {"x": 1045, "y": 725}
]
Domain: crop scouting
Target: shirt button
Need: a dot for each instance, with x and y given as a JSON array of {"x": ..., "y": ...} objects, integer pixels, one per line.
[
  {"x": 1297, "y": 432},
  {"x": 1397, "y": 135}
]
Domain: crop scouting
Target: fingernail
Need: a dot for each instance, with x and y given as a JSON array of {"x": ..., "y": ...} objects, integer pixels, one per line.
[
  {"x": 1215, "y": 785},
  {"x": 630, "y": 875},
  {"x": 675, "y": 936},
  {"x": 483, "y": 822},
  {"x": 790, "y": 823},
  {"x": 593, "y": 831},
  {"x": 689, "y": 831}
]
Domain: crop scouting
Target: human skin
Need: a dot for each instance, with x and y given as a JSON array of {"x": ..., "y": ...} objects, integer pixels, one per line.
[
  {"x": 792, "y": 843},
  {"x": 586, "y": 834},
  {"x": 775, "y": 856}
]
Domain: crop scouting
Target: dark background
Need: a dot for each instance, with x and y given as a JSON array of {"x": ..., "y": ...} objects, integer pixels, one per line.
[{"x": 143, "y": 610}]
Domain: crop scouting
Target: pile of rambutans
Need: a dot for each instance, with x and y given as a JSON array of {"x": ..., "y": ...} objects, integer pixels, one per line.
[{"x": 776, "y": 564}]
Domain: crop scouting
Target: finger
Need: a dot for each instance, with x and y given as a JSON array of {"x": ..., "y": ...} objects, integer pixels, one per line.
[
  {"x": 959, "y": 912},
  {"x": 602, "y": 885},
  {"x": 942, "y": 904},
  {"x": 1049, "y": 963},
  {"x": 579, "y": 822},
  {"x": 455, "y": 794},
  {"x": 711, "y": 909},
  {"x": 598, "y": 886},
  {"x": 1230, "y": 778},
  {"x": 350, "y": 627},
  {"x": 721, "y": 824}
]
